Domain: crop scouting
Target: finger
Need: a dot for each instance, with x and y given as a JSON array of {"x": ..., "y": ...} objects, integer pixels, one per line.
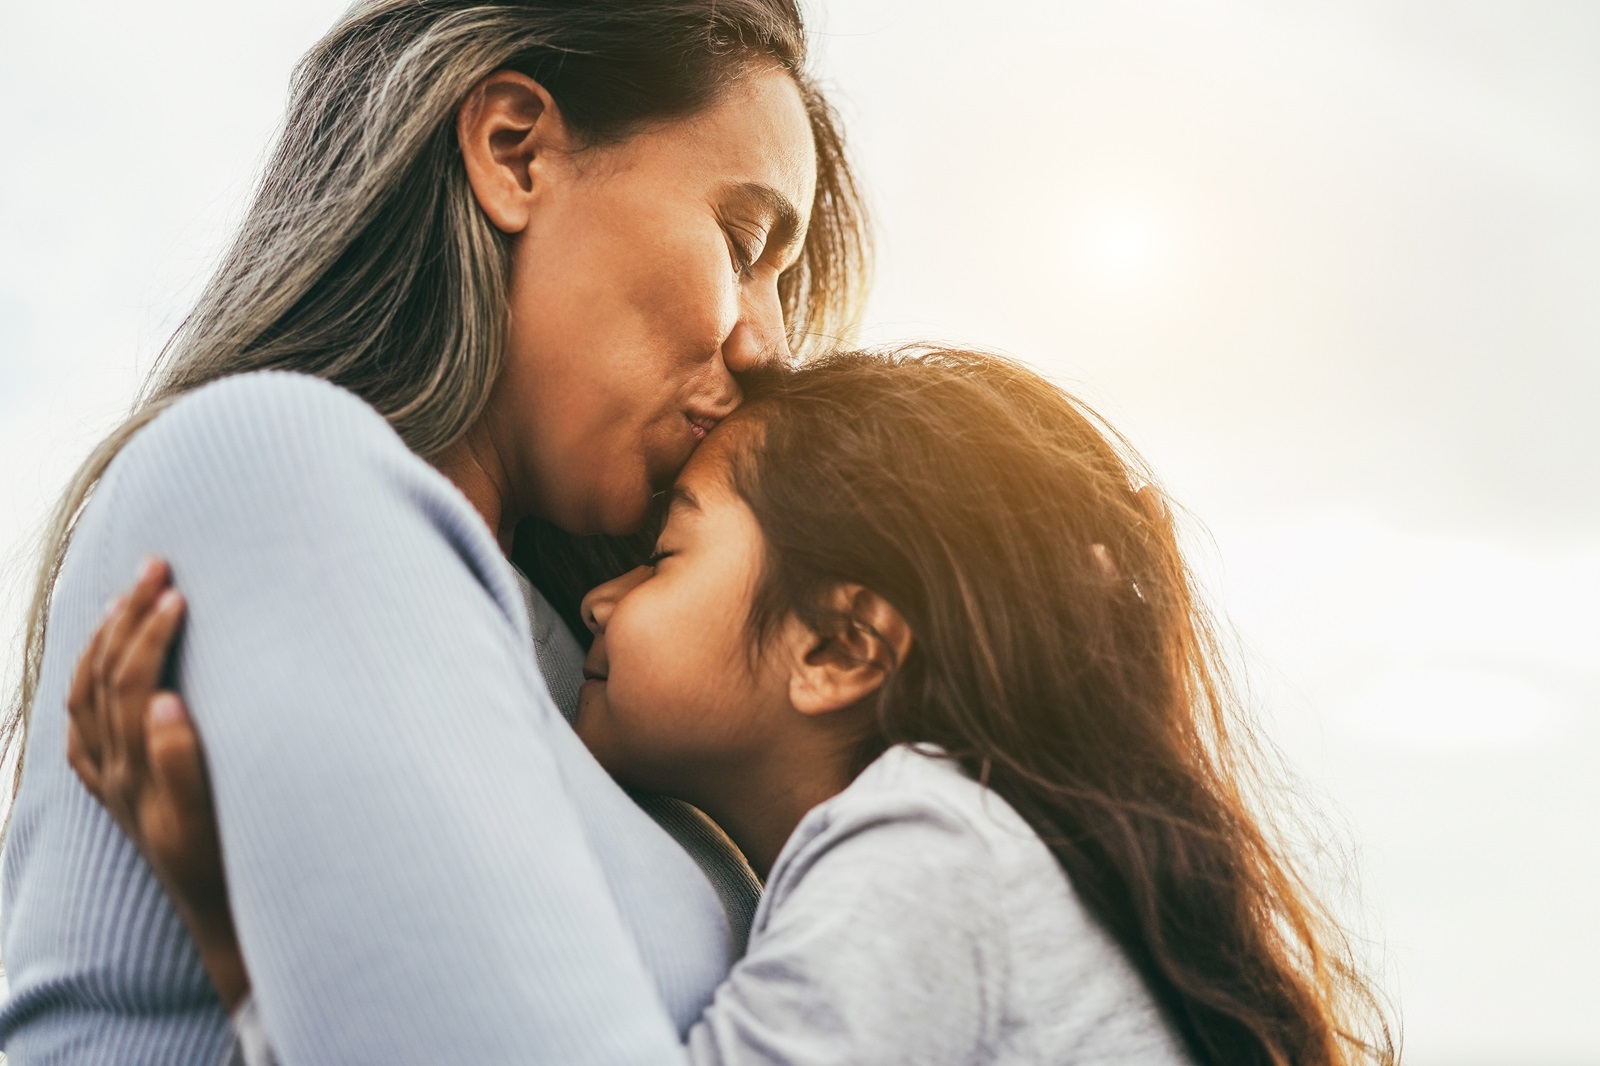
[
  {"x": 135, "y": 675},
  {"x": 147, "y": 586},
  {"x": 140, "y": 599},
  {"x": 181, "y": 794},
  {"x": 111, "y": 641},
  {"x": 174, "y": 746},
  {"x": 145, "y": 651},
  {"x": 86, "y": 768},
  {"x": 82, "y": 702}
]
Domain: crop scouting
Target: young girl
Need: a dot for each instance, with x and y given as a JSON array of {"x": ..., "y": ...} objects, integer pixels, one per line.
[{"x": 918, "y": 637}]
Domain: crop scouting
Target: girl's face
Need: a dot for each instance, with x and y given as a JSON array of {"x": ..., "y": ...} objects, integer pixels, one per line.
[
  {"x": 674, "y": 693},
  {"x": 646, "y": 277}
]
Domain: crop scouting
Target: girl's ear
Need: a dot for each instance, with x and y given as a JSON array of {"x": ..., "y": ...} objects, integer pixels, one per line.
[
  {"x": 836, "y": 670},
  {"x": 508, "y": 128}
]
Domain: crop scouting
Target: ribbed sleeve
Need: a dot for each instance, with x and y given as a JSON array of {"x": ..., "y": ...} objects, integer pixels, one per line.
[{"x": 409, "y": 828}]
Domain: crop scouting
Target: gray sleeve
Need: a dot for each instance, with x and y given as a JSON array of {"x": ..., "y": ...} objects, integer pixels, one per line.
[
  {"x": 408, "y": 873},
  {"x": 880, "y": 945}
]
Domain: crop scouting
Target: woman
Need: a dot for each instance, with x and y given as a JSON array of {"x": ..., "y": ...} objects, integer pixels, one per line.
[{"x": 526, "y": 247}]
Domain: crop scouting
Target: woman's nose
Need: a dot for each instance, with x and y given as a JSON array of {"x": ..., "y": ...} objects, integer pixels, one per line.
[
  {"x": 602, "y": 599},
  {"x": 760, "y": 336}
]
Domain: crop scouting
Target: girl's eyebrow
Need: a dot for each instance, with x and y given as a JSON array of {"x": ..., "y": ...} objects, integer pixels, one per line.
[{"x": 678, "y": 496}]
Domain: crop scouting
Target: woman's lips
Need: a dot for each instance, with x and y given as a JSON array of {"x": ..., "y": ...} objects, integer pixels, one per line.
[{"x": 700, "y": 425}]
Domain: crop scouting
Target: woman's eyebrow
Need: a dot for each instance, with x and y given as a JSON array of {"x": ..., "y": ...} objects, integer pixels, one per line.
[{"x": 786, "y": 228}]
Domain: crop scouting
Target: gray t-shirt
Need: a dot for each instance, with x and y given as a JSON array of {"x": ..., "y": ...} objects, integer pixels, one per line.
[{"x": 916, "y": 918}]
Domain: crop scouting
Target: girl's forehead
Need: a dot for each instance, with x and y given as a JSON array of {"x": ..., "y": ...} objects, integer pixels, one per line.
[
  {"x": 706, "y": 477},
  {"x": 714, "y": 458},
  {"x": 705, "y": 486}
]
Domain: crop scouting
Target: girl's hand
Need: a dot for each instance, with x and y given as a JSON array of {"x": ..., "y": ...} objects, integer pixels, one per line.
[{"x": 135, "y": 749}]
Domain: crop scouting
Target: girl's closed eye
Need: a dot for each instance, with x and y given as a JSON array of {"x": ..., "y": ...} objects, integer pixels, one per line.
[{"x": 656, "y": 557}]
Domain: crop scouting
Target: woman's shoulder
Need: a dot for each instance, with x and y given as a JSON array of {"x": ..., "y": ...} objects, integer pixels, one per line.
[
  {"x": 290, "y": 433},
  {"x": 274, "y": 405},
  {"x": 284, "y": 456}
]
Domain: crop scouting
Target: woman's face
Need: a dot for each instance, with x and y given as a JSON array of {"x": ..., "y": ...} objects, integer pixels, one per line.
[{"x": 645, "y": 279}]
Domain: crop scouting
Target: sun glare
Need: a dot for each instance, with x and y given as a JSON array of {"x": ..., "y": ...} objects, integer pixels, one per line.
[
  {"x": 1125, "y": 243},
  {"x": 1117, "y": 247}
]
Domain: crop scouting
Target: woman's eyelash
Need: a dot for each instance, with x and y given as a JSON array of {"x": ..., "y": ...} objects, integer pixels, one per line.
[
  {"x": 656, "y": 557},
  {"x": 744, "y": 259}
]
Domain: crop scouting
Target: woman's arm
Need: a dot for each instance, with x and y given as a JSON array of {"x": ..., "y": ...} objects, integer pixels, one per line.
[{"x": 409, "y": 877}]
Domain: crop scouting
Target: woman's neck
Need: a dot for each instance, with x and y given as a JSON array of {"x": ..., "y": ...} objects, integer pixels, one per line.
[{"x": 473, "y": 465}]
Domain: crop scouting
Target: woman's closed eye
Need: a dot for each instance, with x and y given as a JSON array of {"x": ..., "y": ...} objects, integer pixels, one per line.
[
  {"x": 744, "y": 248},
  {"x": 656, "y": 557}
]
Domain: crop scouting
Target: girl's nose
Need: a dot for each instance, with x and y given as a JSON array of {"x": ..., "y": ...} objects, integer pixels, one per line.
[{"x": 602, "y": 599}]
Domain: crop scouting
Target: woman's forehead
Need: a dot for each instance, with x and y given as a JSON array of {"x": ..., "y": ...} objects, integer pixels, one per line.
[{"x": 754, "y": 144}]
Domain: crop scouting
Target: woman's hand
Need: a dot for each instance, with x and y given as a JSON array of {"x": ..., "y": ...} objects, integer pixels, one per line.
[{"x": 135, "y": 749}]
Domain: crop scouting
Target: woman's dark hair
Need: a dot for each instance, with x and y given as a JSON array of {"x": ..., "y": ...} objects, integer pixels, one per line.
[
  {"x": 364, "y": 258},
  {"x": 1061, "y": 656}
]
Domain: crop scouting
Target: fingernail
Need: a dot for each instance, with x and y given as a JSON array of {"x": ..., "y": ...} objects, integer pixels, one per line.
[
  {"x": 169, "y": 600},
  {"x": 166, "y": 709},
  {"x": 147, "y": 569},
  {"x": 114, "y": 606}
]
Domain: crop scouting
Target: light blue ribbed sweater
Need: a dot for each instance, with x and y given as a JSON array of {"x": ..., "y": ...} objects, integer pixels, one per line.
[{"x": 425, "y": 863}]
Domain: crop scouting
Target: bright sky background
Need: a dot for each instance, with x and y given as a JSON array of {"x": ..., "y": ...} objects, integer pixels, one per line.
[{"x": 1332, "y": 265}]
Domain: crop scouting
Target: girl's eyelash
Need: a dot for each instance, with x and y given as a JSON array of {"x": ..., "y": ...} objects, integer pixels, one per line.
[{"x": 656, "y": 557}]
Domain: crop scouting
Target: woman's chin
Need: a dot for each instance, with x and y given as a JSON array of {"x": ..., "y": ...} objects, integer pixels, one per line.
[{"x": 620, "y": 515}]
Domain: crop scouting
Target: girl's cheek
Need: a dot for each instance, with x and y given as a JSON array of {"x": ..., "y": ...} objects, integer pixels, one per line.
[{"x": 592, "y": 730}]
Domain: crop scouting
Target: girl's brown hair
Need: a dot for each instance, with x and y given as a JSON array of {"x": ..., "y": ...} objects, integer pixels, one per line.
[{"x": 1061, "y": 656}]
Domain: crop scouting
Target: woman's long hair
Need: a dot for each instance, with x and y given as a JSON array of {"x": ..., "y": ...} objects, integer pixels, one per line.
[
  {"x": 1061, "y": 656},
  {"x": 364, "y": 258}
]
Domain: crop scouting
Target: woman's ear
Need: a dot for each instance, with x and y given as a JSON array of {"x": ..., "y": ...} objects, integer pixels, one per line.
[
  {"x": 833, "y": 671},
  {"x": 509, "y": 130}
]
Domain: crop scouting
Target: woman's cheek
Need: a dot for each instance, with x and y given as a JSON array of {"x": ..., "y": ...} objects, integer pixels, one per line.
[{"x": 705, "y": 298}]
